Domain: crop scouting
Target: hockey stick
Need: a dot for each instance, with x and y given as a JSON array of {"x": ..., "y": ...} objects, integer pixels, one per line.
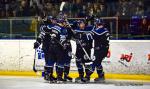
[{"x": 34, "y": 69}]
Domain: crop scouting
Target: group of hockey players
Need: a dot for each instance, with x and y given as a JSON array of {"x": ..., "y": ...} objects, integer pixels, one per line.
[{"x": 55, "y": 35}]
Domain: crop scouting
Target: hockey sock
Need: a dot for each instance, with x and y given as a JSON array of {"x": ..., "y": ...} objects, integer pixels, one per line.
[
  {"x": 66, "y": 70},
  {"x": 81, "y": 72},
  {"x": 100, "y": 71},
  {"x": 80, "y": 68},
  {"x": 59, "y": 72},
  {"x": 88, "y": 70},
  {"x": 48, "y": 70}
]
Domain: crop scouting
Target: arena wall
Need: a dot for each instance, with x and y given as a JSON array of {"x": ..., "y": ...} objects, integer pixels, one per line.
[{"x": 124, "y": 57}]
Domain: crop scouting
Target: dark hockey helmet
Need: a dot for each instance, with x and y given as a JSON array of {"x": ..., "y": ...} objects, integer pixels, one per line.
[
  {"x": 80, "y": 21},
  {"x": 81, "y": 24},
  {"x": 49, "y": 19},
  {"x": 99, "y": 21}
]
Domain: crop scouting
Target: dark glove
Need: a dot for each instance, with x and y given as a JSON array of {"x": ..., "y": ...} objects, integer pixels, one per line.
[{"x": 36, "y": 45}]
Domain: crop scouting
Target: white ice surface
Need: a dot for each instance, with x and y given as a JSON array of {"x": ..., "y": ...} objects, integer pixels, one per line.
[{"x": 38, "y": 83}]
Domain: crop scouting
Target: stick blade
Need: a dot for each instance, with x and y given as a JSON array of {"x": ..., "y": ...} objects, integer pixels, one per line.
[{"x": 62, "y": 5}]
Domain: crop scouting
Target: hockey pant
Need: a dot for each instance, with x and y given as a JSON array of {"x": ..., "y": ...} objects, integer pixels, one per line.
[{"x": 99, "y": 54}]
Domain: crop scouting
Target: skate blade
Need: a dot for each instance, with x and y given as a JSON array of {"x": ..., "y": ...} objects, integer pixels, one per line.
[
  {"x": 60, "y": 82},
  {"x": 69, "y": 80},
  {"x": 80, "y": 82},
  {"x": 46, "y": 81},
  {"x": 102, "y": 81},
  {"x": 51, "y": 82}
]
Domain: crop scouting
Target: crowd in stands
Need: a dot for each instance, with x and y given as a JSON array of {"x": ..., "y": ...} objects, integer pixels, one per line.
[
  {"x": 126, "y": 10},
  {"x": 74, "y": 8}
]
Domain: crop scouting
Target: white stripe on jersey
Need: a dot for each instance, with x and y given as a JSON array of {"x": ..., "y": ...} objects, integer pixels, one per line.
[
  {"x": 99, "y": 33},
  {"x": 56, "y": 28},
  {"x": 41, "y": 28},
  {"x": 89, "y": 36},
  {"x": 49, "y": 27},
  {"x": 81, "y": 31}
]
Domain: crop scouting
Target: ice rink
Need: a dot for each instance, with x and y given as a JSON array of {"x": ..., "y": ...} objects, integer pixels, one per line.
[{"x": 8, "y": 82}]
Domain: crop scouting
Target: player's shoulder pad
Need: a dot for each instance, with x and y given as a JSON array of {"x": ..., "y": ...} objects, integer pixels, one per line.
[
  {"x": 100, "y": 31},
  {"x": 50, "y": 26},
  {"x": 89, "y": 28},
  {"x": 57, "y": 28},
  {"x": 77, "y": 30},
  {"x": 82, "y": 31}
]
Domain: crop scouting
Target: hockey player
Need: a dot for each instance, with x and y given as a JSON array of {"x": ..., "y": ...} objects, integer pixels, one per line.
[
  {"x": 45, "y": 39},
  {"x": 67, "y": 51},
  {"x": 83, "y": 45},
  {"x": 65, "y": 38},
  {"x": 101, "y": 46},
  {"x": 101, "y": 36},
  {"x": 63, "y": 63}
]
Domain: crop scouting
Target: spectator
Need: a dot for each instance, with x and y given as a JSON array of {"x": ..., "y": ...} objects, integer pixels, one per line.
[
  {"x": 139, "y": 9},
  {"x": 23, "y": 9},
  {"x": 13, "y": 5},
  {"x": 102, "y": 10},
  {"x": 2, "y": 8},
  {"x": 145, "y": 26},
  {"x": 34, "y": 10},
  {"x": 146, "y": 7},
  {"x": 111, "y": 7},
  {"x": 48, "y": 8},
  {"x": 83, "y": 11},
  {"x": 55, "y": 11},
  {"x": 123, "y": 8}
]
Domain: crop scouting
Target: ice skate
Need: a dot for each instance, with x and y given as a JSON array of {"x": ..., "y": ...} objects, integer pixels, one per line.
[
  {"x": 99, "y": 80},
  {"x": 68, "y": 78}
]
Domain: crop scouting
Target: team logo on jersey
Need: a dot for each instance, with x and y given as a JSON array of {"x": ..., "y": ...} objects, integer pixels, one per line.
[{"x": 125, "y": 59}]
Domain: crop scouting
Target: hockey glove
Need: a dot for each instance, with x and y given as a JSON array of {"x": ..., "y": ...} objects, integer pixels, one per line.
[
  {"x": 36, "y": 45},
  {"x": 53, "y": 36}
]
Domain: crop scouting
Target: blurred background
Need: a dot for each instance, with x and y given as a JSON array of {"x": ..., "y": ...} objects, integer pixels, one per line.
[{"x": 125, "y": 19}]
